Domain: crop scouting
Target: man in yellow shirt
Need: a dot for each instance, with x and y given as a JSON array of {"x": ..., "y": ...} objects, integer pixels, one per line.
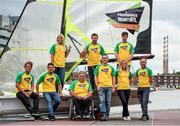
[
  {"x": 49, "y": 81},
  {"x": 124, "y": 50},
  {"x": 124, "y": 77},
  {"x": 144, "y": 76},
  {"x": 59, "y": 52},
  {"x": 105, "y": 83},
  {"x": 94, "y": 51},
  {"x": 25, "y": 90},
  {"x": 81, "y": 92}
]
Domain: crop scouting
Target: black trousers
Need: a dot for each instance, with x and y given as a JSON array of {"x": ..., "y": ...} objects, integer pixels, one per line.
[
  {"x": 82, "y": 106},
  {"x": 91, "y": 75},
  {"x": 26, "y": 101},
  {"x": 124, "y": 97}
]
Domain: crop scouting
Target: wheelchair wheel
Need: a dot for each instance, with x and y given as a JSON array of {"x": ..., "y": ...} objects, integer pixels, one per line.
[
  {"x": 92, "y": 110},
  {"x": 71, "y": 110}
]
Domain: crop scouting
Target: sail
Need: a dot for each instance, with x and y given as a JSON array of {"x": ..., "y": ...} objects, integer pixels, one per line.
[
  {"x": 40, "y": 24},
  {"x": 109, "y": 18},
  {"x": 35, "y": 32}
]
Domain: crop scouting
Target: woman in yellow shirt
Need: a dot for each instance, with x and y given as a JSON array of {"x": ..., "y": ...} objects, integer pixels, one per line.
[
  {"x": 124, "y": 77},
  {"x": 59, "y": 52}
]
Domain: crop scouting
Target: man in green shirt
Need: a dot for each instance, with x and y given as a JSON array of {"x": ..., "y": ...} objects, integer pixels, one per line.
[
  {"x": 144, "y": 76},
  {"x": 49, "y": 81},
  {"x": 25, "y": 90},
  {"x": 81, "y": 92},
  {"x": 104, "y": 76},
  {"x": 94, "y": 51},
  {"x": 124, "y": 50}
]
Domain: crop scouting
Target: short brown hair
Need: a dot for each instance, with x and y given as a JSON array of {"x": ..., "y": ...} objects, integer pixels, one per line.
[
  {"x": 94, "y": 34},
  {"x": 82, "y": 72},
  {"x": 105, "y": 55},
  {"x": 28, "y": 62},
  {"x": 50, "y": 64},
  {"x": 124, "y": 33}
]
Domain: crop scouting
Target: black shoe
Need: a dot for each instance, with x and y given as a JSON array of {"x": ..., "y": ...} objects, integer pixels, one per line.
[
  {"x": 104, "y": 118},
  {"x": 145, "y": 117},
  {"x": 36, "y": 114},
  {"x": 51, "y": 117},
  {"x": 82, "y": 116},
  {"x": 37, "y": 118}
]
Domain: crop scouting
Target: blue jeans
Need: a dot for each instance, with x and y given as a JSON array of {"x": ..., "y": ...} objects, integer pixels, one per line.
[
  {"x": 105, "y": 94},
  {"x": 143, "y": 96},
  {"x": 61, "y": 73},
  {"x": 52, "y": 100}
]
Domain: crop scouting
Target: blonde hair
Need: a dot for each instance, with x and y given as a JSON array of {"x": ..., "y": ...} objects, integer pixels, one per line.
[{"x": 61, "y": 35}]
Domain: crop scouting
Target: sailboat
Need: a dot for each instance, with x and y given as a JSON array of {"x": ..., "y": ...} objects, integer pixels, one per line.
[{"x": 42, "y": 20}]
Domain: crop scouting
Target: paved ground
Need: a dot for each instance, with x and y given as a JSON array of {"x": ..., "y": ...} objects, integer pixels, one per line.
[
  {"x": 164, "y": 110},
  {"x": 156, "y": 118}
]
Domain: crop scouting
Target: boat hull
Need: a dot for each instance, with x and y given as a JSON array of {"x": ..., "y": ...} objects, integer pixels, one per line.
[{"x": 12, "y": 105}]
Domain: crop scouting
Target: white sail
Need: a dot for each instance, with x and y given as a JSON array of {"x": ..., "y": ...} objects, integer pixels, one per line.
[
  {"x": 41, "y": 23},
  {"x": 32, "y": 38},
  {"x": 90, "y": 16}
]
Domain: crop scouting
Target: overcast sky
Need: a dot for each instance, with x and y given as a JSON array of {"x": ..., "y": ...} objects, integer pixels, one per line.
[{"x": 166, "y": 21}]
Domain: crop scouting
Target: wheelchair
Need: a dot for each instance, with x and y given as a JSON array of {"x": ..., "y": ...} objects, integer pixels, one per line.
[{"x": 73, "y": 114}]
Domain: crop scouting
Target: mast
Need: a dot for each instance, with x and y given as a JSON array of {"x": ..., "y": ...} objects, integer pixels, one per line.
[{"x": 63, "y": 21}]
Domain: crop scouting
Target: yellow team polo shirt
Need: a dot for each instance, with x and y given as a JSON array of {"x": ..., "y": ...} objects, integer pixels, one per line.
[
  {"x": 80, "y": 89},
  {"x": 59, "y": 54},
  {"x": 143, "y": 76},
  {"x": 104, "y": 74},
  {"x": 124, "y": 50},
  {"x": 123, "y": 79},
  {"x": 49, "y": 82},
  {"x": 25, "y": 81},
  {"x": 94, "y": 52}
]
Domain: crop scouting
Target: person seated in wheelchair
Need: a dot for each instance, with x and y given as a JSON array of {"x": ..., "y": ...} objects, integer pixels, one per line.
[{"x": 81, "y": 92}]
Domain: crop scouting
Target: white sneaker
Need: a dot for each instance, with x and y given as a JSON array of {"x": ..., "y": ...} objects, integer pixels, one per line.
[
  {"x": 128, "y": 118},
  {"x": 125, "y": 118}
]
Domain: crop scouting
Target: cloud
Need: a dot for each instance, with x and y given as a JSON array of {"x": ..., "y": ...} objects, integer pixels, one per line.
[
  {"x": 167, "y": 10},
  {"x": 162, "y": 28},
  {"x": 166, "y": 21},
  {"x": 13, "y": 7}
]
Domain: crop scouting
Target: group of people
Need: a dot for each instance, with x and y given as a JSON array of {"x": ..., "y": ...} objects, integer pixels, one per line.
[
  {"x": 25, "y": 90},
  {"x": 52, "y": 81},
  {"x": 103, "y": 78},
  {"x": 106, "y": 80}
]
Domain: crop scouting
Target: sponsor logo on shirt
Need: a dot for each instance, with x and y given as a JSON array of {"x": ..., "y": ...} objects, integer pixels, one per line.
[
  {"x": 50, "y": 80},
  {"x": 124, "y": 47},
  {"x": 142, "y": 74},
  {"x": 82, "y": 85},
  {"x": 27, "y": 79},
  {"x": 105, "y": 70},
  {"x": 94, "y": 49}
]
